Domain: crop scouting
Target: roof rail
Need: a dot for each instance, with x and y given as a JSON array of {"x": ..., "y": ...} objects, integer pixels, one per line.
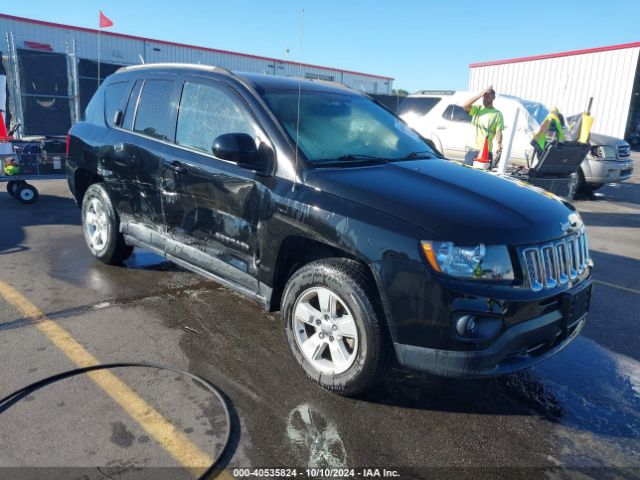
[
  {"x": 435, "y": 92},
  {"x": 143, "y": 66}
]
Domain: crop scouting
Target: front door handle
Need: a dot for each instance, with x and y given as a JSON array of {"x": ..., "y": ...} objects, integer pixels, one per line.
[
  {"x": 441, "y": 127},
  {"x": 176, "y": 166}
]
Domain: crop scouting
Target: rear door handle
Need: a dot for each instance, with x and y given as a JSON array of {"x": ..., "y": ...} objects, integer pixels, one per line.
[
  {"x": 176, "y": 166},
  {"x": 441, "y": 127}
]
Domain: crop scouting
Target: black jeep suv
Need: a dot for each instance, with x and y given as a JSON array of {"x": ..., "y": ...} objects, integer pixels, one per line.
[{"x": 314, "y": 200}]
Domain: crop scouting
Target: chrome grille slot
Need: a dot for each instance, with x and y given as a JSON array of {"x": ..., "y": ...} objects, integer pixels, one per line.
[
  {"x": 550, "y": 265},
  {"x": 532, "y": 260},
  {"x": 563, "y": 269},
  {"x": 581, "y": 258}
]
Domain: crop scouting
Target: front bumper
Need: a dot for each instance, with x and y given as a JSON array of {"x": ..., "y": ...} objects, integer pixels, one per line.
[
  {"x": 607, "y": 171},
  {"x": 519, "y": 347}
]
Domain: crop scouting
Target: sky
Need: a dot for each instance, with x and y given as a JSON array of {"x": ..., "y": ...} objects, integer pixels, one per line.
[{"x": 421, "y": 44}]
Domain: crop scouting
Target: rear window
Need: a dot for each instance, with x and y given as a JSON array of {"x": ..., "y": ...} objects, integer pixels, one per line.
[
  {"x": 417, "y": 105},
  {"x": 153, "y": 116}
]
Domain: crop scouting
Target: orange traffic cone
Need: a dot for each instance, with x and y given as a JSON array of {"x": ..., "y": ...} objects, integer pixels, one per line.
[{"x": 482, "y": 162}]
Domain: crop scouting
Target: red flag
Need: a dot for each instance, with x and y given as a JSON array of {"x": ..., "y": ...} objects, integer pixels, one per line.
[{"x": 104, "y": 21}]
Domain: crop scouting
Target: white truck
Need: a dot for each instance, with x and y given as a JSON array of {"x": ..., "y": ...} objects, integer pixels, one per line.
[{"x": 439, "y": 116}]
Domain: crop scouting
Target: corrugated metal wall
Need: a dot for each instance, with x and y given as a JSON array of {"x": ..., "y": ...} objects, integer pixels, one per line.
[
  {"x": 77, "y": 44},
  {"x": 129, "y": 51},
  {"x": 568, "y": 82}
]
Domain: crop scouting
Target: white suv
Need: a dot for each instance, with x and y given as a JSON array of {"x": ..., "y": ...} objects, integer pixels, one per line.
[{"x": 439, "y": 116}]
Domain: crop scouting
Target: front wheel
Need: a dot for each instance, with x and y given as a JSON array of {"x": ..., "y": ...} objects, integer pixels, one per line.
[
  {"x": 333, "y": 326},
  {"x": 101, "y": 226}
]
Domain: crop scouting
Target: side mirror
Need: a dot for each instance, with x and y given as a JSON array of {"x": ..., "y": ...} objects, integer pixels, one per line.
[{"x": 239, "y": 148}]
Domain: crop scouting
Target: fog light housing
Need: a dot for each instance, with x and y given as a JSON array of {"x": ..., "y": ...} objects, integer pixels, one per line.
[{"x": 473, "y": 327}]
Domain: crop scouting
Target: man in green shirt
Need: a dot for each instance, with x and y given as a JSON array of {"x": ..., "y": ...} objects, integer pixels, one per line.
[{"x": 487, "y": 122}]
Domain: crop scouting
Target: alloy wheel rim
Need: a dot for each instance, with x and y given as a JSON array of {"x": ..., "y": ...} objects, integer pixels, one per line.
[
  {"x": 325, "y": 330},
  {"x": 96, "y": 225}
]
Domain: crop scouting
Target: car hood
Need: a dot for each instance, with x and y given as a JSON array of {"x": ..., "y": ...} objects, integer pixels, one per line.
[
  {"x": 601, "y": 139},
  {"x": 451, "y": 202}
]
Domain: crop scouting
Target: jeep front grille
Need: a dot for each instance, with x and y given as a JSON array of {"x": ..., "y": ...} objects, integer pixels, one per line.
[{"x": 556, "y": 263}]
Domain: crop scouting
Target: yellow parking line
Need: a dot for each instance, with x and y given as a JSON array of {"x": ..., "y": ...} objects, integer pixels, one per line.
[
  {"x": 173, "y": 441},
  {"x": 619, "y": 287}
]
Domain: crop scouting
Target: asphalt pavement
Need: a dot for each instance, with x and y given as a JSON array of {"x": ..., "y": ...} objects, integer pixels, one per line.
[{"x": 576, "y": 415}]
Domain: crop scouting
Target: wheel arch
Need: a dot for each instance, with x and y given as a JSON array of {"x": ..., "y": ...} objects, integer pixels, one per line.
[
  {"x": 288, "y": 261},
  {"x": 82, "y": 180}
]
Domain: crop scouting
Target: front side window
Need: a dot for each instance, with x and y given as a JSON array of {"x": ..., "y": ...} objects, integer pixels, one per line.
[
  {"x": 206, "y": 112},
  {"x": 342, "y": 126},
  {"x": 153, "y": 117},
  {"x": 456, "y": 113}
]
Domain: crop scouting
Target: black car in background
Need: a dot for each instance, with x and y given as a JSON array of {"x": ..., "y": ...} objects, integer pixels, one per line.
[{"x": 311, "y": 199}]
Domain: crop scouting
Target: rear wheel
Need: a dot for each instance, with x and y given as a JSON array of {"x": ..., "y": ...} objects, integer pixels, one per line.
[
  {"x": 101, "y": 226},
  {"x": 333, "y": 326}
]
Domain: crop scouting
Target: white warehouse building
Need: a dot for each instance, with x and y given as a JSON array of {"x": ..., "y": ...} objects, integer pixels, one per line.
[
  {"x": 51, "y": 70},
  {"x": 568, "y": 80}
]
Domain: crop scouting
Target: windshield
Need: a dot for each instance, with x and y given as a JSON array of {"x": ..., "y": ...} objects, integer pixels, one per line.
[
  {"x": 537, "y": 111},
  {"x": 344, "y": 127}
]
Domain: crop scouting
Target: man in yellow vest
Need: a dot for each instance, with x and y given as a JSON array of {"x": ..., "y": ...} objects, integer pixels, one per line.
[{"x": 488, "y": 124}]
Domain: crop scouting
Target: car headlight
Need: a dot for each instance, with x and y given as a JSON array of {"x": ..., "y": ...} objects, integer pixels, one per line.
[
  {"x": 479, "y": 262},
  {"x": 604, "y": 152}
]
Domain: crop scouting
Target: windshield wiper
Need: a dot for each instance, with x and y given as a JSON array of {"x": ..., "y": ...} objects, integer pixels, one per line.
[
  {"x": 349, "y": 157},
  {"x": 425, "y": 154}
]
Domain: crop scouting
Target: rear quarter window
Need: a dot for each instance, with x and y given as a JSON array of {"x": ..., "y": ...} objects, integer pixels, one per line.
[
  {"x": 417, "y": 105},
  {"x": 94, "y": 113},
  {"x": 115, "y": 98}
]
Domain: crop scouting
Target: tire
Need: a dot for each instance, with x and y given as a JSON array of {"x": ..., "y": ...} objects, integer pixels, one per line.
[
  {"x": 581, "y": 186},
  {"x": 101, "y": 227},
  {"x": 586, "y": 188},
  {"x": 26, "y": 193},
  {"x": 354, "y": 357},
  {"x": 13, "y": 186}
]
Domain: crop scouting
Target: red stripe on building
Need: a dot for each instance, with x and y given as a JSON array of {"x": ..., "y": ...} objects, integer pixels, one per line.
[
  {"x": 556, "y": 55},
  {"x": 184, "y": 45}
]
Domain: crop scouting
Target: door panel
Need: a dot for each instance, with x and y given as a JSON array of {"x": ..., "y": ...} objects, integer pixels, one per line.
[
  {"x": 210, "y": 204},
  {"x": 147, "y": 146}
]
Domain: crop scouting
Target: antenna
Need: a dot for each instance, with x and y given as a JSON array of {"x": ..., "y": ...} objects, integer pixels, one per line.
[
  {"x": 295, "y": 173},
  {"x": 141, "y": 58}
]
